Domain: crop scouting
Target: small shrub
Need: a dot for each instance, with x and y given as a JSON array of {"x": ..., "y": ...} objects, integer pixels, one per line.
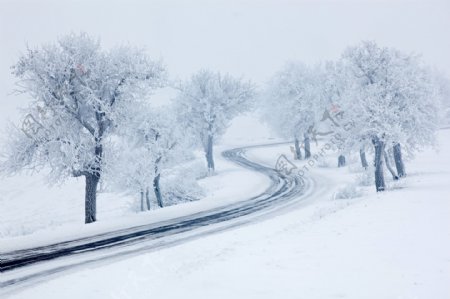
[
  {"x": 348, "y": 192},
  {"x": 366, "y": 178}
]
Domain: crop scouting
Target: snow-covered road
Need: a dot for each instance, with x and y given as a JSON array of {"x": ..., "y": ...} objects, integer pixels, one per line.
[
  {"x": 389, "y": 245},
  {"x": 25, "y": 267}
]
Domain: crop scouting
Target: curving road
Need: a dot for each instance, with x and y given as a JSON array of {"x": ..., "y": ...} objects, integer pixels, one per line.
[{"x": 25, "y": 267}]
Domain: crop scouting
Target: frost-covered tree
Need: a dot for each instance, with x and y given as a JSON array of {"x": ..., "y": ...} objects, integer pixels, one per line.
[
  {"x": 294, "y": 103},
  {"x": 391, "y": 100},
  {"x": 418, "y": 105},
  {"x": 152, "y": 143},
  {"x": 78, "y": 91},
  {"x": 208, "y": 102},
  {"x": 442, "y": 83},
  {"x": 340, "y": 124}
]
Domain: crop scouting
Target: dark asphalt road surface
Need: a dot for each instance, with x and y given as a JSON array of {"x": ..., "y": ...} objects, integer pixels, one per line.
[{"x": 282, "y": 191}]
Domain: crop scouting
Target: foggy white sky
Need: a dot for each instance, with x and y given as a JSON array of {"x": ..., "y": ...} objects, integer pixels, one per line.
[{"x": 250, "y": 38}]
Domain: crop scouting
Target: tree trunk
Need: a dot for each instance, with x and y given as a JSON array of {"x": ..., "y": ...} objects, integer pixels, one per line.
[
  {"x": 362, "y": 155},
  {"x": 399, "y": 161},
  {"x": 298, "y": 153},
  {"x": 209, "y": 155},
  {"x": 92, "y": 179},
  {"x": 388, "y": 166},
  {"x": 307, "y": 147},
  {"x": 91, "y": 197},
  {"x": 147, "y": 198},
  {"x": 341, "y": 161},
  {"x": 157, "y": 190},
  {"x": 378, "y": 163},
  {"x": 142, "y": 201}
]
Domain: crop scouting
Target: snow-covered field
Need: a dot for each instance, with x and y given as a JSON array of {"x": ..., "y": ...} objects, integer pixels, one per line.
[{"x": 394, "y": 244}]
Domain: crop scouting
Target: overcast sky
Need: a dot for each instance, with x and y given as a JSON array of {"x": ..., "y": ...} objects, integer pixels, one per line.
[{"x": 249, "y": 38}]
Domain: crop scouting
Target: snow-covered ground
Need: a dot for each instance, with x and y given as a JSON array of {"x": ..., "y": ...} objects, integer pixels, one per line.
[
  {"x": 394, "y": 244},
  {"x": 36, "y": 213},
  {"x": 337, "y": 239},
  {"x": 48, "y": 215}
]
